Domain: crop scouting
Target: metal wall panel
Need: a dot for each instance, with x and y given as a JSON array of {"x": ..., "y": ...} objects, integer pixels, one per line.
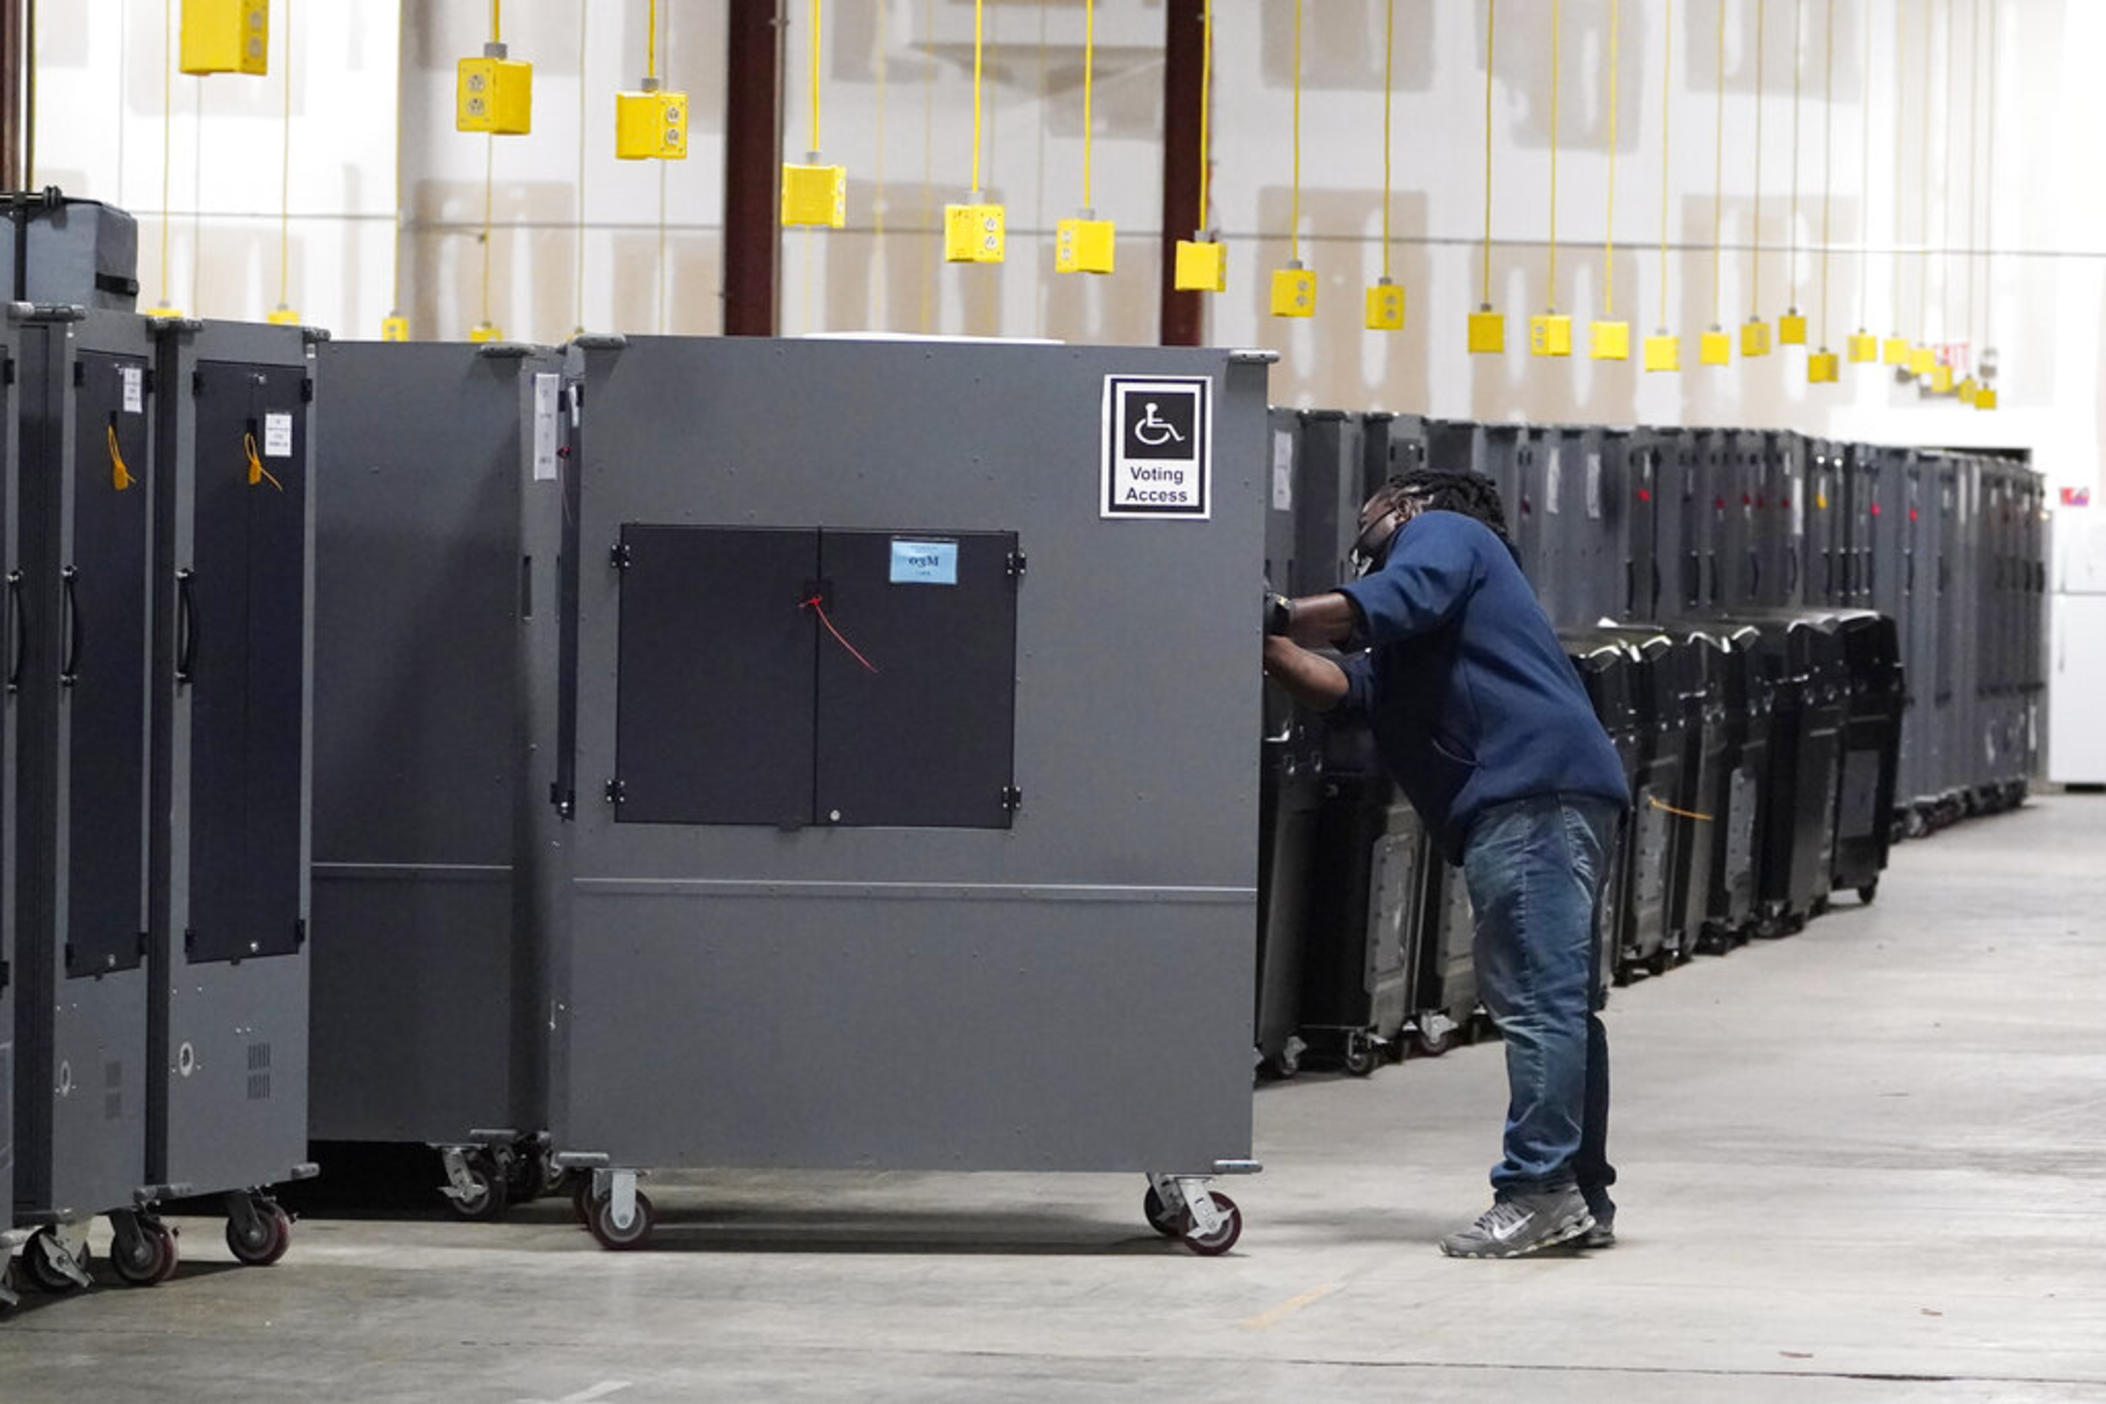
[{"x": 10, "y": 627}]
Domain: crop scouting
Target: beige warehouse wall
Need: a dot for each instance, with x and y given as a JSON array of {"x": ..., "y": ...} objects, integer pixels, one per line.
[{"x": 896, "y": 89}]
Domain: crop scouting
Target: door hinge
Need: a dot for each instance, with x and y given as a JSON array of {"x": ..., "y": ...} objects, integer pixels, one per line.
[
  {"x": 620, "y": 557},
  {"x": 197, "y": 382},
  {"x": 147, "y": 381},
  {"x": 616, "y": 793},
  {"x": 1012, "y": 798},
  {"x": 1018, "y": 564},
  {"x": 189, "y": 940},
  {"x": 565, "y": 801},
  {"x": 306, "y": 389},
  {"x": 146, "y": 941},
  {"x": 299, "y": 934},
  {"x": 80, "y": 372}
]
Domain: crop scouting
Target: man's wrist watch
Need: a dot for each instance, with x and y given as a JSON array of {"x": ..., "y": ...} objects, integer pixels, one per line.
[{"x": 1279, "y": 615}]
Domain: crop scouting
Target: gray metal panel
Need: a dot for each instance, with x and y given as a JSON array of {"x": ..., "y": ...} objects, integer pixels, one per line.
[
  {"x": 424, "y": 983},
  {"x": 10, "y": 350},
  {"x": 1017, "y": 1004},
  {"x": 80, "y": 1076},
  {"x": 230, "y": 1038}
]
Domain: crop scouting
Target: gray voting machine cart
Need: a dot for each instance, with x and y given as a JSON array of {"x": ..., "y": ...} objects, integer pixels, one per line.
[
  {"x": 227, "y": 1065},
  {"x": 907, "y": 824},
  {"x": 428, "y": 1006}
]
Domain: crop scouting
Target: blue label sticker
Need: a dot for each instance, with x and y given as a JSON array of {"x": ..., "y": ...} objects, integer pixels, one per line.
[{"x": 924, "y": 562}]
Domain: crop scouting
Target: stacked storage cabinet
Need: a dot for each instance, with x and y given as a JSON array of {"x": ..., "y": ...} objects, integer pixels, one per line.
[
  {"x": 233, "y": 595},
  {"x": 868, "y": 881},
  {"x": 79, "y": 666},
  {"x": 1871, "y": 741},
  {"x": 1803, "y": 657},
  {"x": 1291, "y": 781},
  {"x": 428, "y": 990}
]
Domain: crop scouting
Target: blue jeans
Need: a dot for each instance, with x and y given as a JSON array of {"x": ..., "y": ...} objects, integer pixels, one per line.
[{"x": 1535, "y": 868}]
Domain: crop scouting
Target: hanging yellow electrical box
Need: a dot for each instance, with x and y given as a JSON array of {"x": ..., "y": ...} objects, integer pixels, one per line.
[
  {"x": 1941, "y": 379},
  {"x": 1084, "y": 244},
  {"x": 1985, "y": 398},
  {"x": 1487, "y": 333},
  {"x": 1894, "y": 351},
  {"x": 1202, "y": 266},
  {"x": 974, "y": 233},
  {"x": 650, "y": 125},
  {"x": 1823, "y": 368},
  {"x": 1293, "y": 291},
  {"x": 394, "y": 327},
  {"x": 1550, "y": 334},
  {"x": 483, "y": 332},
  {"x": 1385, "y": 306},
  {"x": 1791, "y": 329},
  {"x": 226, "y": 36},
  {"x": 1967, "y": 390},
  {"x": 1755, "y": 337},
  {"x": 282, "y": 316},
  {"x": 1663, "y": 352},
  {"x": 814, "y": 196},
  {"x": 1609, "y": 341},
  {"x": 1715, "y": 347},
  {"x": 1922, "y": 361},
  {"x": 493, "y": 94},
  {"x": 1864, "y": 347}
]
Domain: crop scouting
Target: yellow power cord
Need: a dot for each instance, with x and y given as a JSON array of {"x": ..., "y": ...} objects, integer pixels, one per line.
[
  {"x": 1718, "y": 197},
  {"x": 1491, "y": 29},
  {"x": 1389, "y": 51},
  {"x": 120, "y": 475},
  {"x": 1667, "y": 57},
  {"x": 1206, "y": 106},
  {"x": 1655, "y": 802},
  {"x": 1556, "y": 26},
  {"x": 1827, "y": 161},
  {"x": 814, "y": 145},
  {"x": 1608, "y": 243},
  {"x": 1791, "y": 248},
  {"x": 489, "y": 189},
  {"x": 1923, "y": 259},
  {"x": 1864, "y": 188},
  {"x": 257, "y": 472},
  {"x": 1294, "y": 196},
  {"x": 285, "y": 176},
  {"x": 651, "y": 40},
  {"x": 584, "y": 30},
  {"x": 1755, "y": 219},
  {"x": 979, "y": 27},
  {"x": 1089, "y": 93},
  {"x": 1989, "y": 209},
  {"x": 167, "y": 130}
]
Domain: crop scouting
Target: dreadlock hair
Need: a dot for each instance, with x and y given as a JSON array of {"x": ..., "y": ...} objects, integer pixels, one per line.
[{"x": 1471, "y": 494}]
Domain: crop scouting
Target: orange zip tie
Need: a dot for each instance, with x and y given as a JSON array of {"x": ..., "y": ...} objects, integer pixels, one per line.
[
  {"x": 1654, "y": 801},
  {"x": 817, "y": 605},
  {"x": 257, "y": 472},
  {"x": 120, "y": 476}
]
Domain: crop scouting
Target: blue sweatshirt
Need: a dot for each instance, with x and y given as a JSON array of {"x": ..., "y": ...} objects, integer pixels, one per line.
[{"x": 1472, "y": 700}]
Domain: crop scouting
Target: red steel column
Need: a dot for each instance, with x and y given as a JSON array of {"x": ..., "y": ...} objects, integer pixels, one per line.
[
  {"x": 752, "y": 165},
  {"x": 1184, "y": 51}
]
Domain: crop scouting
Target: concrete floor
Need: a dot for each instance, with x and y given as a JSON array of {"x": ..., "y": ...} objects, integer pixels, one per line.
[{"x": 1862, "y": 1163}]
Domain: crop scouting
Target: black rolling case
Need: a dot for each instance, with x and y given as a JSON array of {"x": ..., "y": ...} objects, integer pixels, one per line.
[
  {"x": 1802, "y": 655},
  {"x": 62, "y": 250},
  {"x": 1707, "y": 770},
  {"x": 1652, "y": 936},
  {"x": 1871, "y": 751},
  {"x": 1607, "y": 668},
  {"x": 1361, "y": 959},
  {"x": 1446, "y": 1004}
]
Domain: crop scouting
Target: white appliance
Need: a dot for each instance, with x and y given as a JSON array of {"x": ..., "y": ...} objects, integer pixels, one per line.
[{"x": 2077, "y": 648}]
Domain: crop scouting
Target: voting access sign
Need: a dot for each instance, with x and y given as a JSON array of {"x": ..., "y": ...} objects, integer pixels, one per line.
[{"x": 1158, "y": 447}]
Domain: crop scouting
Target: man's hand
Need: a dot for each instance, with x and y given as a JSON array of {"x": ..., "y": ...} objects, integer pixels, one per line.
[
  {"x": 1316, "y": 620},
  {"x": 1313, "y": 680}
]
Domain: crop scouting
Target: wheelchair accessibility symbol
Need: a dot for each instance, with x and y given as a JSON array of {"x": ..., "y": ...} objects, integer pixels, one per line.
[{"x": 1158, "y": 455}]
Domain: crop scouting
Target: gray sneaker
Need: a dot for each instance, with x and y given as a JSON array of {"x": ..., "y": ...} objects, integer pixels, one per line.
[
  {"x": 1523, "y": 1224},
  {"x": 1603, "y": 1234}
]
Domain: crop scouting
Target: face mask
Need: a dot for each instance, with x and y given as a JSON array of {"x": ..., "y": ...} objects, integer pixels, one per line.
[{"x": 1371, "y": 547}]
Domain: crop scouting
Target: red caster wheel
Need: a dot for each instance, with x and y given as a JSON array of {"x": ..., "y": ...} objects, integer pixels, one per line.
[
  {"x": 267, "y": 1239},
  {"x": 146, "y": 1257},
  {"x": 1223, "y": 1238}
]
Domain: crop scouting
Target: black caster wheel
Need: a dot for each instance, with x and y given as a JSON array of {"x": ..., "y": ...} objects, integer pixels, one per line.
[
  {"x": 1661, "y": 961},
  {"x": 1362, "y": 1057},
  {"x": 40, "y": 1271},
  {"x": 581, "y": 1198},
  {"x": 1160, "y": 1218},
  {"x": 523, "y": 1177},
  {"x": 1794, "y": 924},
  {"x": 1820, "y": 907},
  {"x": 148, "y": 1258},
  {"x": 1223, "y": 1238},
  {"x": 555, "y": 1179},
  {"x": 1434, "y": 1045},
  {"x": 1868, "y": 893},
  {"x": 616, "y": 1237},
  {"x": 266, "y": 1241},
  {"x": 487, "y": 1195}
]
